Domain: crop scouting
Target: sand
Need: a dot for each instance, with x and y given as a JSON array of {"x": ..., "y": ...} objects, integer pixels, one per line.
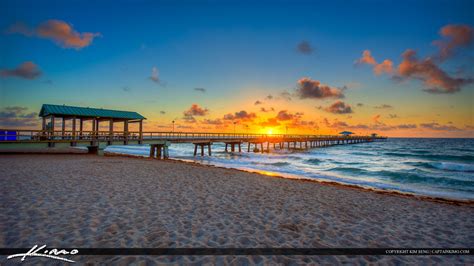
[{"x": 96, "y": 201}]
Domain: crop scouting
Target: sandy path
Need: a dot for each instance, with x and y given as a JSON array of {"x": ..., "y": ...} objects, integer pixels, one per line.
[{"x": 94, "y": 201}]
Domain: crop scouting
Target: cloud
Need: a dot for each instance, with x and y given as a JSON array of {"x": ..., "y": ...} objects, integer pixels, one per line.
[
  {"x": 162, "y": 112},
  {"x": 263, "y": 109},
  {"x": 196, "y": 110},
  {"x": 126, "y": 88},
  {"x": 271, "y": 122},
  {"x": 385, "y": 67},
  {"x": 378, "y": 126},
  {"x": 304, "y": 47},
  {"x": 155, "y": 75},
  {"x": 392, "y": 116},
  {"x": 360, "y": 104},
  {"x": 383, "y": 106},
  {"x": 366, "y": 58},
  {"x": 454, "y": 36},
  {"x": 27, "y": 70},
  {"x": 406, "y": 126},
  {"x": 58, "y": 31},
  {"x": 434, "y": 78},
  {"x": 189, "y": 119},
  {"x": 312, "y": 89},
  {"x": 339, "y": 107},
  {"x": 285, "y": 95},
  {"x": 241, "y": 115},
  {"x": 213, "y": 121},
  {"x": 16, "y": 116},
  {"x": 269, "y": 97},
  {"x": 258, "y": 102},
  {"x": 284, "y": 115},
  {"x": 438, "y": 127},
  {"x": 376, "y": 118},
  {"x": 203, "y": 90}
]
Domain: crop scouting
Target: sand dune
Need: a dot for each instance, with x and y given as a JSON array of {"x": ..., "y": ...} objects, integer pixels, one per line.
[{"x": 95, "y": 201}]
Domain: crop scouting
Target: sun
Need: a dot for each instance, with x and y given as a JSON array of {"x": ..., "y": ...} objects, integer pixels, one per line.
[{"x": 270, "y": 131}]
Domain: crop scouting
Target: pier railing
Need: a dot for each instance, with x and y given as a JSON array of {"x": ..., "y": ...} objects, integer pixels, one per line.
[{"x": 23, "y": 135}]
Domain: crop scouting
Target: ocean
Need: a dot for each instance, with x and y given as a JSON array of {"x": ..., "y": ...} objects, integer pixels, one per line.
[{"x": 430, "y": 167}]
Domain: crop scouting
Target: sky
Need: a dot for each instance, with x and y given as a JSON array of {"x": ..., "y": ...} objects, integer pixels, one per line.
[{"x": 396, "y": 68}]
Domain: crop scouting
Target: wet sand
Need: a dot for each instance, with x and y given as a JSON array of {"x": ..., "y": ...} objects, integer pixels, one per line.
[{"x": 95, "y": 201}]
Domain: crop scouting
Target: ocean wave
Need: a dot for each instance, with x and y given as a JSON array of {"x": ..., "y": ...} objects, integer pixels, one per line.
[
  {"x": 272, "y": 164},
  {"x": 349, "y": 170},
  {"x": 313, "y": 161},
  {"x": 440, "y": 157},
  {"x": 404, "y": 177},
  {"x": 457, "y": 167}
]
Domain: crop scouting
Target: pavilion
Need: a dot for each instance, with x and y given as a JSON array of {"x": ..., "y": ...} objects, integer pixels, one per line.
[
  {"x": 96, "y": 115},
  {"x": 346, "y": 133}
]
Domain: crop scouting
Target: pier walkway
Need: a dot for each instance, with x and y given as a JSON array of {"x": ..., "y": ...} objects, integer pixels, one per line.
[{"x": 16, "y": 138}]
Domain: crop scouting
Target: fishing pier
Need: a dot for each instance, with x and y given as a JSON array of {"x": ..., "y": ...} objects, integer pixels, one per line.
[{"x": 98, "y": 137}]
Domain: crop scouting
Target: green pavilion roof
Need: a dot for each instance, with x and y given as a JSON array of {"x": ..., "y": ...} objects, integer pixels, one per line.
[
  {"x": 65, "y": 110},
  {"x": 346, "y": 133}
]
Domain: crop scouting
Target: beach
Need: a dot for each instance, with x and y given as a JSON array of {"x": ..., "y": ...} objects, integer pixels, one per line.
[{"x": 99, "y": 201}]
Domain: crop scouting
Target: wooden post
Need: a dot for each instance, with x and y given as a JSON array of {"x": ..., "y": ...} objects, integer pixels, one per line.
[
  {"x": 232, "y": 147},
  {"x": 74, "y": 128},
  {"x": 97, "y": 128},
  {"x": 248, "y": 148},
  {"x": 93, "y": 128},
  {"x": 152, "y": 151},
  {"x": 165, "y": 152},
  {"x": 111, "y": 131},
  {"x": 240, "y": 148},
  {"x": 52, "y": 126},
  {"x": 81, "y": 125},
  {"x": 209, "y": 149},
  {"x": 63, "y": 128},
  {"x": 43, "y": 133},
  {"x": 140, "y": 135},
  {"x": 226, "y": 147},
  {"x": 202, "y": 150},
  {"x": 125, "y": 134},
  {"x": 195, "y": 149},
  {"x": 158, "y": 151}
]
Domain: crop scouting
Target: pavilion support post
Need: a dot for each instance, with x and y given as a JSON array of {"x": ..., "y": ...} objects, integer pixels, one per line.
[
  {"x": 111, "y": 131},
  {"x": 140, "y": 129},
  {"x": 226, "y": 147},
  {"x": 81, "y": 125},
  {"x": 93, "y": 128},
  {"x": 97, "y": 129},
  {"x": 73, "y": 131},
  {"x": 248, "y": 148},
  {"x": 43, "y": 133},
  {"x": 125, "y": 132},
  {"x": 240, "y": 148},
  {"x": 63, "y": 128},
  {"x": 51, "y": 130},
  {"x": 152, "y": 151},
  {"x": 209, "y": 149}
]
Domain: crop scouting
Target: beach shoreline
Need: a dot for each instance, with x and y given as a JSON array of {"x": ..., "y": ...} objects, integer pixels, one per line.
[
  {"x": 115, "y": 201},
  {"x": 305, "y": 179}
]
